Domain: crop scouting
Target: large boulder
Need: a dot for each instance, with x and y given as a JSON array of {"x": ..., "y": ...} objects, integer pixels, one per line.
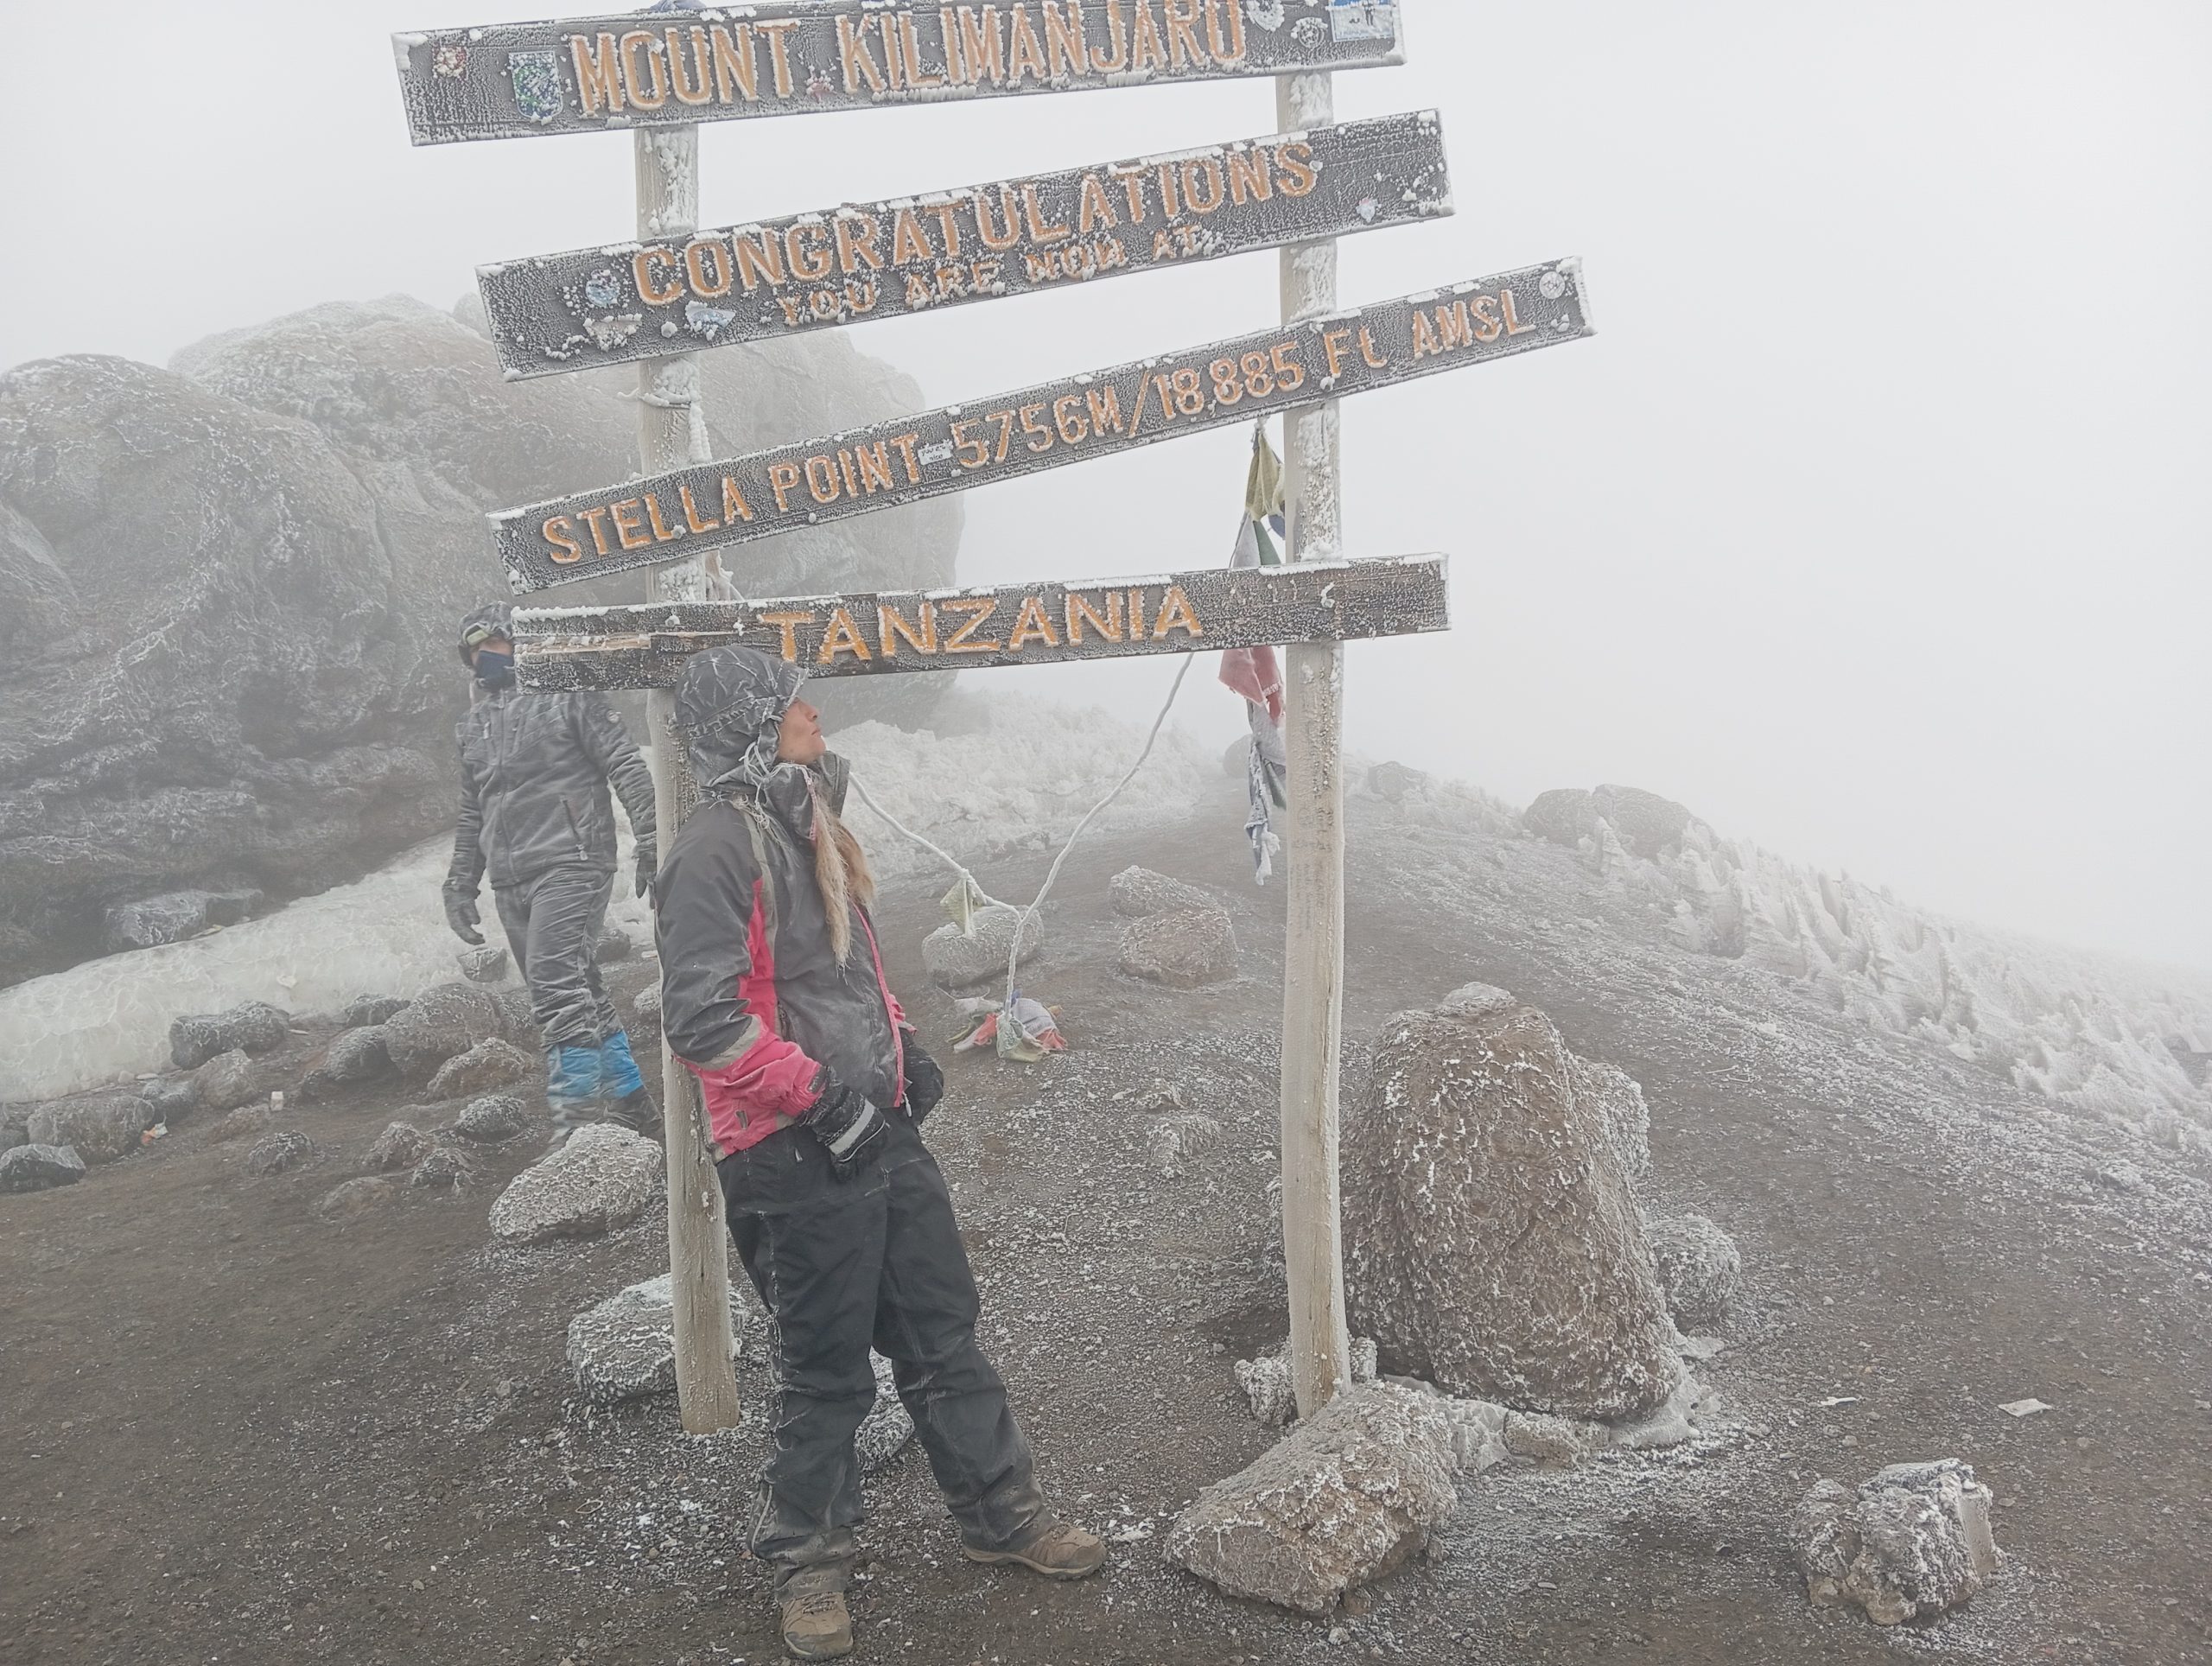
[
  {"x": 964, "y": 961},
  {"x": 1183, "y": 951},
  {"x": 440, "y": 1024},
  {"x": 39, "y": 1167},
  {"x": 1646, "y": 824},
  {"x": 235, "y": 1078},
  {"x": 102, "y": 1127},
  {"x": 228, "y": 588},
  {"x": 402, "y": 1145},
  {"x": 492, "y": 1120},
  {"x": 1563, "y": 816},
  {"x": 1494, "y": 1248},
  {"x": 278, "y": 1152},
  {"x": 1911, "y": 1544},
  {"x": 1348, "y": 1497},
  {"x": 174, "y": 916},
  {"x": 1139, "y": 893},
  {"x": 488, "y": 1065},
  {"x": 1619, "y": 1101},
  {"x": 602, "y": 1178},
  {"x": 257, "y": 1027},
  {"x": 356, "y": 1055}
]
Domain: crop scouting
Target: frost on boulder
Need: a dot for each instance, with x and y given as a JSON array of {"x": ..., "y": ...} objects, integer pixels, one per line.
[
  {"x": 1494, "y": 1244},
  {"x": 494, "y": 1064},
  {"x": 37, "y": 1168},
  {"x": 602, "y": 1178},
  {"x": 962, "y": 961},
  {"x": 437, "y": 1025},
  {"x": 1699, "y": 1268},
  {"x": 1347, "y": 1497},
  {"x": 101, "y": 1129},
  {"x": 1184, "y": 951},
  {"x": 256, "y": 1026},
  {"x": 624, "y": 1348},
  {"x": 1914, "y": 1543},
  {"x": 1138, "y": 892}
]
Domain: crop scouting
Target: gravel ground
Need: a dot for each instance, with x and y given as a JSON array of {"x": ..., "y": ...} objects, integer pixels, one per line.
[{"x": 235, "y": 1433}]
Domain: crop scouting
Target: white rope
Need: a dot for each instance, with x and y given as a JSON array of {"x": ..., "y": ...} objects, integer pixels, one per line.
[{"x": 1014, "y": 954}]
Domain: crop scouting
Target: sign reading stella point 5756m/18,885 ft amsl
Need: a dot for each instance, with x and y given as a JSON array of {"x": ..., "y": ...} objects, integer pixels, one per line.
[{"x": 796, "y": 57}]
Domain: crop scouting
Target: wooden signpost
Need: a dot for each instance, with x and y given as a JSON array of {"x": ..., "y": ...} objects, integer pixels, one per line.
[
  {"x": 551, "y": 314},
  {"x": 755, "y": 58},
  {"x": 876, "y": 633},
  {"x": 675, "y": 290},
  {"x": 670, "y": 517}
]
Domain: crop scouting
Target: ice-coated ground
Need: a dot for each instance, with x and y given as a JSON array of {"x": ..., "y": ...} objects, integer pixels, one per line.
[{"x": 1017, "y": 786}]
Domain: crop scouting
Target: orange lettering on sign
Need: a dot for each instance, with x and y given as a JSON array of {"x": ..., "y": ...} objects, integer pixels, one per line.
[
  {"x": 760, "y": 258},
  {"x": 822, "y": 479},
  {"x": 1297, "y": 162},
  {"x": 698, "y": 87},
  {"x": 874, "y": 462},
  {"x": 979, "y": 610},
  {"x": 1106, "y": 409},
  {"x": 779, "y": 53},
  {"x": 1097, "y": 209},
  {"x": 1064, "y": 39},
  {"x": 911, "y": 43},
  {"x": 692, "y": 518},
  {"x": 979, "y": 45},
  {"x": 596, "y": 519},
  {"x": 1176, "y": 613},
  {"x": 1453, "y": 325},
  {"x": 857, "y": 243},
  {"x": 950, "y": 227},
  {"x": 783, "y": 477},
  {"x": 598, "y": 76},
  {"x": 891, "y": 625},
  {"x": 735, "y": 507},
  {"x": 789, "y": 623},
  {"x": 1513, "y": 325},
  {"x": 1040, "y": 229},
  {"x": 858, "y": 56},
  {"x": 1425, "y": 342},
  {"x": 905, "y": 443},
  {"x": 1032, "y": 627},
  {"x": 1229, "y": 50},
  {"x": 1025, "y": 52},
  {"x": 1117, "y": 57},
  {"x": 703, "y": 281},
  {"x": 1183, "y": 45},
  {"x": 629, "y": 530},
  {"x": 842, "y": 637},
  {"x": 1133, "y": 188},
  {"x": 734, "y": 71},
  {"x": 1333, "y": 345},
  {"x": 648, "y": 87},
  {"x": 662, "y": 533},
  {"x": 556, "y": 532},
  {"x": 1487, "y": 326},
  {"x": 1009, "y": 233},
  {"x": 649, "y": 290},
  {"x": 1081, "y": 615},
  {"x": 908, "y": 241},
  {"x": 1146, "y": 51},
  {"x": 1205, "y": 170},
  {"x": 1374, "y": 361},
  {"x": 801, "y": 252},
  {"x": 948, "y": 31},
  {"x": 1249, "y": 180},
  {"x": 892, "y": 65}
]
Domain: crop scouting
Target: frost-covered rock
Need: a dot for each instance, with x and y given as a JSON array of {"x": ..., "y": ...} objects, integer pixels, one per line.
[
  {"x": 235, "y": 1078},
  {"x": 279, "y": 1152},
  {"x": 646, "y": 1004},
  {"x": 486, "y": 963},
  {"x": 495, "y": 1118},
  {"x": 257, "y": 1027},
  {"x": 624, "y": 1348},
  {"x": 1184, "y": 950},
  {"x": 352, "y": 1200},
  {"x": 963, "y": 961},
  {"x": 1494, "y": 1244},
  {"x": 602, "y": 1178},
  {"x": 102, "y": 1128},
  {"x": 358, "y": 1055},
  {"x": 1267, "y": 1382},
  {"x": 1138, "y": 892},
  {"x": 175, "y": 915},
  {"x": 439, "y": 1024},
  {"x": 402, "y": 1145},
  {"x": 170, "y": 1098},
  {"x": 37, "y": 1168},
  {"x": 515, "y": 1012},
  {"x": 367, "y": 1011},
  {"x": 1392, "y": 781},
  {"x": 1647, "y": 825},
  {"x": 613, "y": 946},
  {"x": 237, "y": 1124},
  {"x": 1563, "y": 816},
  {"x": 1914, "y": 1542},
  {"x": 888, "y": 1426},
  {"x": 1348, "y": 1497},
  {"x": 493, "y": 1063},
  {"x": 444, "y": 1169},
  {"x": 1619, "y": 1100},
  {"x": 1699, "y": 1268},
  {"x": 1173, "y": 1143}
]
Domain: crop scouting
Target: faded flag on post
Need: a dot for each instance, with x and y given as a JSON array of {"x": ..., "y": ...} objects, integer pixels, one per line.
[{"x": 1257, "y": 673}]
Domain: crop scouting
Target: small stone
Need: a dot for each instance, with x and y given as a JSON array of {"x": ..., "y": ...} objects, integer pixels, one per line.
[
  {"x": 257, "y": 1027},
  {"x": 491, "y": 1119},
  {"x": 1184, "y": 950},
  {"x": 354, "y": 1199},
  {"x": 235, "y": 1078},
  {"x": 1699, "y": 1268},
  {"x": 1541, "y": 1438},
  {"x": 39, "y": 1167},
  {"x": 279, "y": 1152},
  {"x": 101, "y": 1128},
  {"x": 2023, "y": 1407},
  {"x": 1914, "y": 1542},
  {"x": 1348, "y": 1497},
  {"x": 358, "y": 1055},
  {"x": 443, "y": 1168},
  {"x": 485, "y": 964},
  {"x": 624, "y": 1348},
  {"x": 613, "y": 946},
  {"x": 961, "y": 961},
  {"x": 492, "y": 1064},
  {"x": 1139, "y": 893},
  {"x": 602, "y": 1178},
  {"x": 245, "y": 1120},
  {"x": 1176, "y": 1142},
  {"x": 888, "y": 1427},
  {"x": 366, "y": 1011},
  {"x": 646, "y": 1004},
  {"x": 402, "y": 1145}
]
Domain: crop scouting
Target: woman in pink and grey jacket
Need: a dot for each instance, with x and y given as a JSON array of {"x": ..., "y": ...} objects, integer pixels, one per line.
[{"x": 773, "y": 994}]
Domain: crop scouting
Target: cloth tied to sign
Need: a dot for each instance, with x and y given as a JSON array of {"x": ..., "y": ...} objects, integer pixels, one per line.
[
  {"x": 1257, "y": 673},
  {"x": 1022, "y": 1029}
]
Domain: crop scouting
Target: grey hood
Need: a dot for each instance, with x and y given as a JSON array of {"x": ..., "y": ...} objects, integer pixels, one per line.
[
  {"x": 499, "y": 616},
  {"x": 730, "y": 706}
]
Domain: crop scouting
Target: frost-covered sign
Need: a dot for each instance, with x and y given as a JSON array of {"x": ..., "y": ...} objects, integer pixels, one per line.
[
  {"x": 672, "y": 517},
  {"x": 795, "y": 57},
  {"x": 880, "y": 633},
  {"x": 568, "y": 312}
]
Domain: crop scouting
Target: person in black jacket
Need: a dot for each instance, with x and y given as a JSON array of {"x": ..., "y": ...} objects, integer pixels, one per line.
[
  {"x": 535, "y": 815},
  {"x": 773, "y": 994}
]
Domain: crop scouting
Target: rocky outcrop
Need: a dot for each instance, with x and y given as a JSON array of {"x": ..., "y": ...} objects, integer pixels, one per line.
[
  {"x": 602, "y": 1178},
  {"x": 1912, "y": 1544},
  {"x": 1349, "y": 1497},
  {"x": 235, "y": 1078},
  {"x": 1646, "y": 824},
  {"x": 279, "y": 1152},
  {"x": 227, "y": 591},
  {"x": 1494, "y": 1248},
  {"x": 402, "y": 1145}
]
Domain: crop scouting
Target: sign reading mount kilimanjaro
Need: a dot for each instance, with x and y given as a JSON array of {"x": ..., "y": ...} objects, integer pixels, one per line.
[
  {"x": 568, "y": 312},
  {"x": 672, "y": 517},
  {"x": 796, "y": 57}
]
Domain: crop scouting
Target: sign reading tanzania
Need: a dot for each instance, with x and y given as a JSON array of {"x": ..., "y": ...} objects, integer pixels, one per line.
[
  {"x": 795, "y": 57},
  {"x": 672, "y": 517},
  {"x": 1044, "y": 623},
  {"x": 568, "y": 312}
]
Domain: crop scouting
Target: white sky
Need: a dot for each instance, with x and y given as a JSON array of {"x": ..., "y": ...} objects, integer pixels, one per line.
[{"x": 1873, "y": 526}]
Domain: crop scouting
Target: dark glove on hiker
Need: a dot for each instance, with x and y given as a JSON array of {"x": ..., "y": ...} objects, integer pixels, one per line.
[
  {"x": 852, "y": 1129},
  {"x": 648, "y": 868},
  {"x": 461, "y": 915},
  {"x": 925, "y": 1081}
]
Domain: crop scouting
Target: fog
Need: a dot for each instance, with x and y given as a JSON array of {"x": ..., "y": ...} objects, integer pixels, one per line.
[{"x": 1871, "y": 525}]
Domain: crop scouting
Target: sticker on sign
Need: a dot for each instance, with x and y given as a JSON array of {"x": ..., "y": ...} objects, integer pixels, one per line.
[{"x": 712, "y": 506}]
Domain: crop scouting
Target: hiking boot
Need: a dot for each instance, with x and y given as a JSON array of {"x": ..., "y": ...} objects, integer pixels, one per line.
[
  {"x": 637, "y": 1113},
  {"x": 1057, "y": 1550},
  {"x": 817, "y": 1626}
]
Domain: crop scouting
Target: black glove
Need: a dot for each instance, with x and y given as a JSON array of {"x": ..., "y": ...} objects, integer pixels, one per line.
[
  {"x": 853, "y": 1130},
  {"x": 461, "y": 915},
  {"x": 648, "y": 867},
  {"x": 925, "y": 1083}
]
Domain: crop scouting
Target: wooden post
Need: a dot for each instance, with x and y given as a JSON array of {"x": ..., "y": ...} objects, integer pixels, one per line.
[
  {"x": 672, "y": 432},
  {"x": 1313, "y": 959}
]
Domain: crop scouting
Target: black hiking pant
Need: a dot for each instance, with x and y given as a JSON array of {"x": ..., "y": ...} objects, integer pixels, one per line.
[
  {"x": 841, "y": 1267},
  {"x": 553, "y": 923}
]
